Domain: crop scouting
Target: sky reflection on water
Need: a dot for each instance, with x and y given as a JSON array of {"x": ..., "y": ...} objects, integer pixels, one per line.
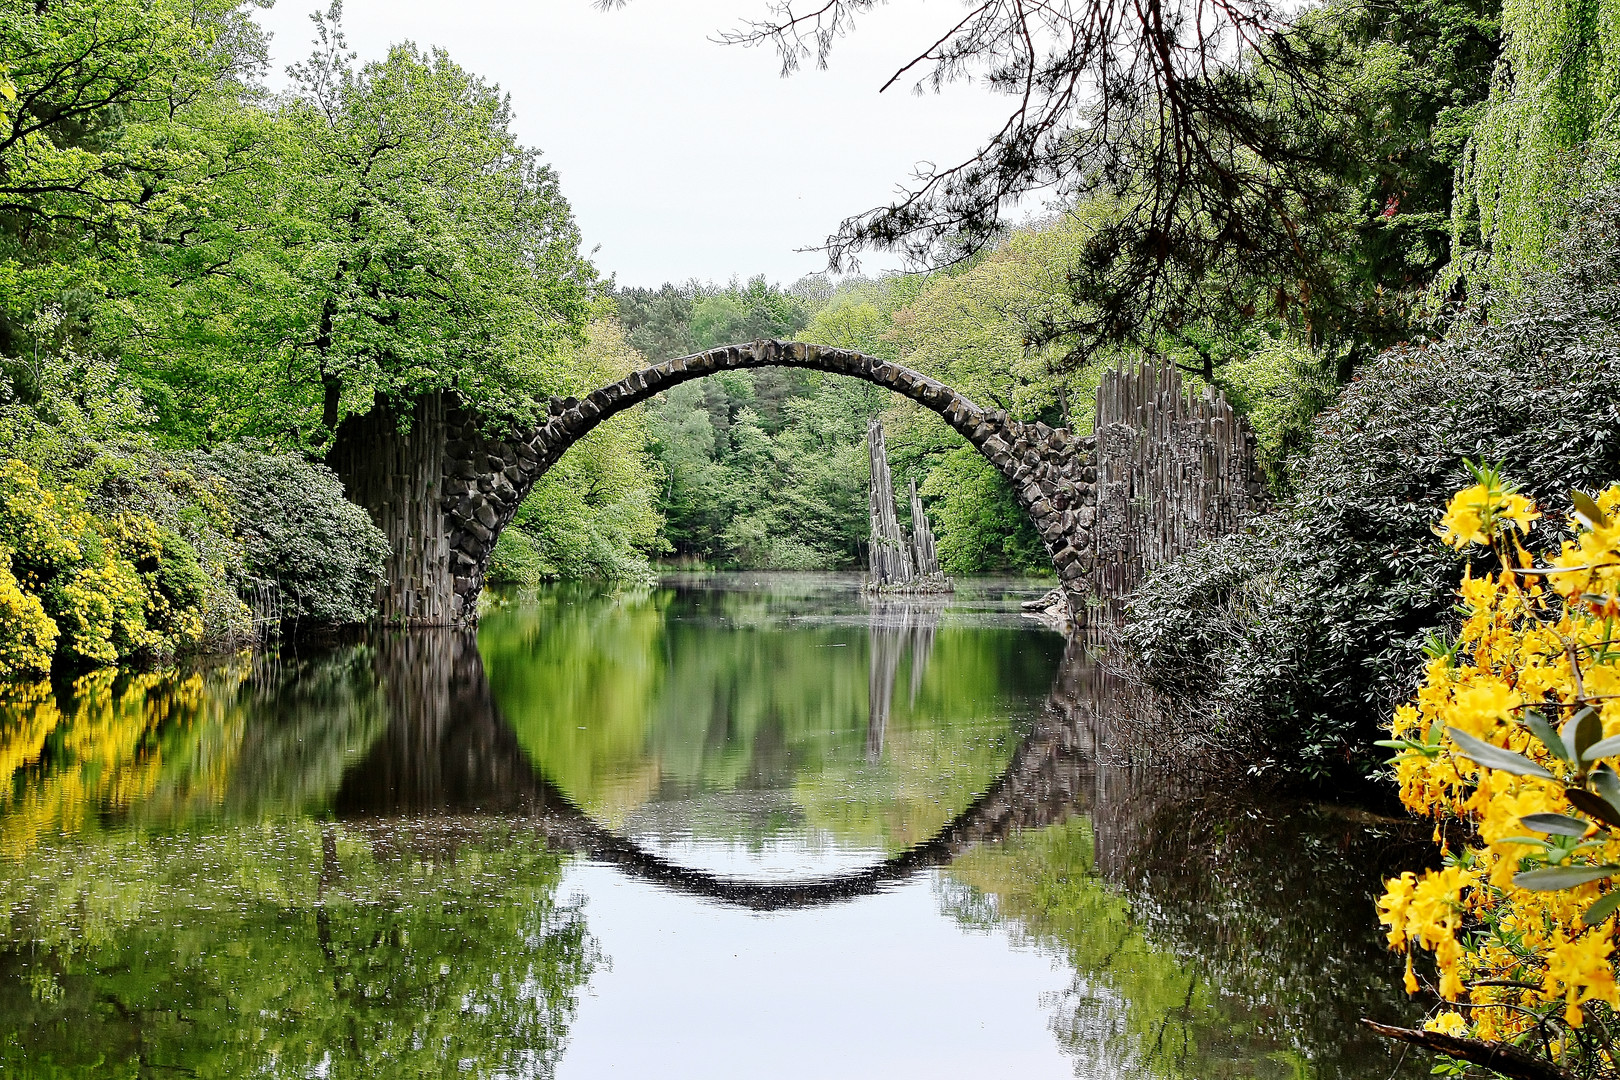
[
  {"x": 737, "y": 826},
  {"x": 883, "y": 986}
]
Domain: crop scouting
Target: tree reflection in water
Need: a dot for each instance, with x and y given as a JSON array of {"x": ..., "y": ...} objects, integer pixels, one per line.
[
  {"x": 1213, "y": 931},
  {"x": 226, "y": 930},
  {"x": 348, "y": 865},
  {"x": 737, "y": 714}
]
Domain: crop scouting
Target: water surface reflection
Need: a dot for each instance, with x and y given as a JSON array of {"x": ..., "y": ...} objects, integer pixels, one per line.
[{"x": 731, "y": 827}]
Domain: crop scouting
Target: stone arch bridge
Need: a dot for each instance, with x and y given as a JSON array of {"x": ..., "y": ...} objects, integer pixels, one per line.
[{"x": 1173, "y": 469}]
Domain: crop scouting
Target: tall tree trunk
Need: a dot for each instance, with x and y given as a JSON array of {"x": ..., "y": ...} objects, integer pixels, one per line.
[{"x": 396, "y": 471}]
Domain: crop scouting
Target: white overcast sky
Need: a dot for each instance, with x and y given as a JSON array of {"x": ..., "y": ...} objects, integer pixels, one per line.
[{"x": 684, "y": 158}]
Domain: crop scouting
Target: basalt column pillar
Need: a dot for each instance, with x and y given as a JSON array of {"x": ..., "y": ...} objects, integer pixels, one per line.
[{"x": 395, "y": 470}]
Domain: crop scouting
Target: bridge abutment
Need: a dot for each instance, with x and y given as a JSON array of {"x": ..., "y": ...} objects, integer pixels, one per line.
[
  {"x": 1099, "y": 531},
  {"x": 394, "y": 466}
]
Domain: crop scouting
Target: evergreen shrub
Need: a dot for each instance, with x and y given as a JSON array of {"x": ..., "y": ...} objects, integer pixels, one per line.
[
  {"x": 321, "y": 555},
  {"x": 1298, "y": 635}
]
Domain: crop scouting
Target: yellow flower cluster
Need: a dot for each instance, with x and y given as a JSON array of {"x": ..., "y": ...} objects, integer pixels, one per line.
[
  {"x": 140, "y": 540},
  {"x": 1510, "y": 724},
  {"x": 1478, "y": 513},
  {"x": 99, "y": 608},
  {"x": 27, "y": 634},
  {"x": 97, "y": 592}
]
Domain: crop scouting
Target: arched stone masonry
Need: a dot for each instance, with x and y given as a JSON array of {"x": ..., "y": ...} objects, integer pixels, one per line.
[
  {"x": 1173, "y": 469},
  {"x": 486, "y": 478}
]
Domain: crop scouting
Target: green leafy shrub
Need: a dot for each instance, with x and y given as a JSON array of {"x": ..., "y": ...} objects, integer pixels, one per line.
[
  {"x": 518, "y": 560},
  {"x": 74, "y": 419},
  {"x": 189, "y": 557},
  {"x": 1279, "y": 387},
  {"x": 1297, "y": 637},
  {"x": 320, "y": 553},
  {"x": 558, "y": 534},
  {"x": 981, "y": 527}
]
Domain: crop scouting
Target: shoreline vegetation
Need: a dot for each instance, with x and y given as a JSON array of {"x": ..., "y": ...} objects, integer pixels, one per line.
[
  {"x": 1396, "y": 252},
  {"x": 177, "y": 353}
]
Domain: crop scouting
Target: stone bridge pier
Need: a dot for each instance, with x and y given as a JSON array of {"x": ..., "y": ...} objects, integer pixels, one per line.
[{"x": 444, "y": 484}]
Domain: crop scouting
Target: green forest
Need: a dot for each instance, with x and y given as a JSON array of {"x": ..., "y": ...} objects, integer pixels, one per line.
[
  {"x": 240, "y": 306},
  {"x": 1387, "y": 233}
]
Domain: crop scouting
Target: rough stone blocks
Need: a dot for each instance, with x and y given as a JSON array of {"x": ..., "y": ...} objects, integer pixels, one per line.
[{"x": 487, "y": 479}]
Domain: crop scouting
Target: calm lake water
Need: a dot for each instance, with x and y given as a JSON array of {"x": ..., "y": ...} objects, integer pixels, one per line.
[{"x": 736, "y": 826}]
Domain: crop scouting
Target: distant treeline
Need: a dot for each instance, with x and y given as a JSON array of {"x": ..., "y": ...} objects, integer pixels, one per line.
[{"x": 766, "y": 469}]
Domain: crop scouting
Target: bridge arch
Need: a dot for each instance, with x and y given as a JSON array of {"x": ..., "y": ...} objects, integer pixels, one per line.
[{"x": 485, "y": 479}]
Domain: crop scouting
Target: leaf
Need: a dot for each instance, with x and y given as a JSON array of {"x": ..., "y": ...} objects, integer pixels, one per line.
[
  {"x": 1603, "y": 748},
  {"x": 1581, "y": 731},
  {"x": 1554, "y": 878},
  {"x": 1484, "y": 754},
  {"x": 1601, "y": 910},
  {"x": 1437, "y": 646},
  {"x": 1540, "y": 727},
  {"x": 1588, "y": 802},
  {"x": 1606, "y": 782},
  {"x": 1587, "y": 510},
  {"x": 1558, "y": 824}
]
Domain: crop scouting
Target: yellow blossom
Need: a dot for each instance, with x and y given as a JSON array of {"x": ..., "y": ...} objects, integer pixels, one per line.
[
  {"x": 1579, "y": 971},
  {"x": 1521, "y": 647},
  {"x": 1447, "y": 1023}
]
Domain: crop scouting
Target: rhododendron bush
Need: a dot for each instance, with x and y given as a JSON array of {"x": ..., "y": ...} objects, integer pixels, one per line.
[{"x": 1514, "y": 735}]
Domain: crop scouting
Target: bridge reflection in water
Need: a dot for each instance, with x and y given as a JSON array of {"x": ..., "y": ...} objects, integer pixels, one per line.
[
  {"x": 448, "y": 752},
  {"x": 1207, "y": 933},
  {"x": 1268, "y": 908}
]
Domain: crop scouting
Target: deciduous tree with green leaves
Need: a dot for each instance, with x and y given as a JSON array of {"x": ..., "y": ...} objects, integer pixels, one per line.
[{"x": 392, "y": 239}]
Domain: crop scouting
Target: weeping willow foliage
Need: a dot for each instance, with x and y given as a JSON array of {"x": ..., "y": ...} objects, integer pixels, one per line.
[{"x": 1549, "y": 131}]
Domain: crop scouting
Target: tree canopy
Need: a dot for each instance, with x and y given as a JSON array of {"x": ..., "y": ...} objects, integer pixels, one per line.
[
  {"x": 390, "y": 238},
  {"x": 1252, "y": 158}
]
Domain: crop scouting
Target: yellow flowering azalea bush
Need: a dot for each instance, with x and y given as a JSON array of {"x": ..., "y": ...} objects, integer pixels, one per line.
[
  {"x": 27, "y": 634},
  {"x": 1512, "y": 742},
  {"x": 89, "y": 591}
]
